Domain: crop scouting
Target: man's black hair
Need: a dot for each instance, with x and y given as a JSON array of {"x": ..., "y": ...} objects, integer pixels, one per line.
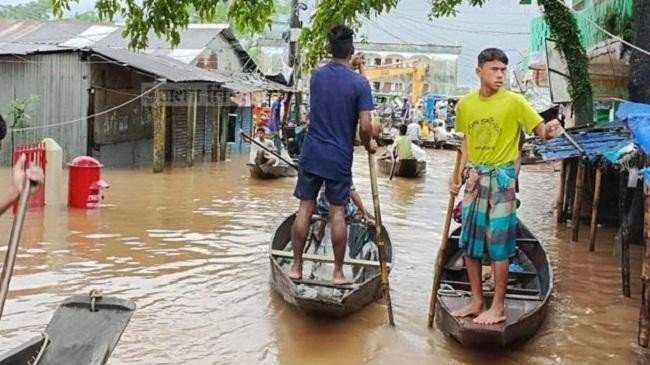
[
  {"x": 340, "y": 38},
  {"x": 402, "y": 129},
  {"x": 492, "y": 54}
]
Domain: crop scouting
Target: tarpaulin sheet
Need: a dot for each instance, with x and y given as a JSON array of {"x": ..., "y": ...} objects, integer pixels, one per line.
[
  {"x": 637, "y": 117},
  {"x": 594, "y": 144}
]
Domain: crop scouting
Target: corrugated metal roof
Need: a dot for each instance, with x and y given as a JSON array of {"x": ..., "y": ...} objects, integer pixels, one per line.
[
  {"x": 161, "y": 66},
  {"x": 21, "y": 49},
  {"x": 595, "y": 143}
]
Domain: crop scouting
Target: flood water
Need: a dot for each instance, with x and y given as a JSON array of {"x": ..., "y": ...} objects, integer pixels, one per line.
[{"x": 189, "y": 246}]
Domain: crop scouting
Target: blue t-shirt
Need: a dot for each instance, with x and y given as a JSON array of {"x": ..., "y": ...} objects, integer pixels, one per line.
[{"x": 337, "y": 95}]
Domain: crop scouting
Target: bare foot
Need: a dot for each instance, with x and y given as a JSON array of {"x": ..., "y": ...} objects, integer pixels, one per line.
[
  {"x": 472, "y": 309},
  {"x": 296, "y": 272},
  {"x": 491, "y": 316},
  {"x": 339, "y": 279}
]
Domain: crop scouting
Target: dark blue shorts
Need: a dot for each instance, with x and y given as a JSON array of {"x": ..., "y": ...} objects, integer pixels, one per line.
[{"x": 308, "y": 186}]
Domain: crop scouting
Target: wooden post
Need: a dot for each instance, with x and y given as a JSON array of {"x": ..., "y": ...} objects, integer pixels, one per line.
[
  {"x": 644, "y": 316},
  {"x": 191, "y": 124},
  {"x": 159, "y": 132},
  {"x": 559, "y": 206},
  {"x": 569, "y": 188},
  {"x": 577, "y": 201},
  {"x": 625, "y": 244},
  {"x": 216, "y": 128},
  {"x": 594, "y": 209}
]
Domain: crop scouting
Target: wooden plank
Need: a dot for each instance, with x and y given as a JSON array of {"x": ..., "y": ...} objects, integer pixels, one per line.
[
  {"x": 319, "y": 258},
  {"x": 511, "y": 291},
  {"x": 327, "y": 284}
]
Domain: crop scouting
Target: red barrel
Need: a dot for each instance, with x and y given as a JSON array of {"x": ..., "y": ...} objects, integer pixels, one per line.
[{"x": 84, "y": 182}]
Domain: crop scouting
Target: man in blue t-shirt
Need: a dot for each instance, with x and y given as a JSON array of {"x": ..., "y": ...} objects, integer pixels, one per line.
[{"x": 339, "y": 97}]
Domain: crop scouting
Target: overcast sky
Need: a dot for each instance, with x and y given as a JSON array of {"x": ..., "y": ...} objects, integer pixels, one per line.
[{"x": 500, "y": 23}]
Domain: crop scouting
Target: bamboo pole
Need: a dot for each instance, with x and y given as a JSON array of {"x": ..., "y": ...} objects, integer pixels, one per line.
[
  {"x": 643, "y": 337},
  {"x": 559, "y": 205},
  {"x": 594, "y": 209},
  {"x": 14, "y": 241},
  {"x": 379, "y": 240},
  {"x": 625, "y": 244},
  {"x": 577, "y": 201},
  {"x": 442, "y": 251},
  {"x": 159, "y": 132}
]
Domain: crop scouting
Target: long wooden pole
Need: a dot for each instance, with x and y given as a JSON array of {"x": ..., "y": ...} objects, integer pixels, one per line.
[
  {"x": 625, "y": 244},
  {"x": 559, "y": 206},
  {"x": 594, "y": 209},
  {"x": 643, "y": 337},
  {"x": 14, "y": 240},
  {"x": 252, "y": 140},
  {"x": 442, "y": 251},
  {"x": 577, "y": 201},
  {"x": 379, "y": 240}
]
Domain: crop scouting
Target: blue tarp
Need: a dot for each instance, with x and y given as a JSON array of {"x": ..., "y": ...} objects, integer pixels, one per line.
[
  {"x": 637, "y": 117},
  {"x": 594, "y": 143}
]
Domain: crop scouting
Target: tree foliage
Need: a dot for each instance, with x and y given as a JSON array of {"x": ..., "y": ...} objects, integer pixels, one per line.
[
  {"x": 167, "y": 17},
  {"x": 35, "y": 10}
]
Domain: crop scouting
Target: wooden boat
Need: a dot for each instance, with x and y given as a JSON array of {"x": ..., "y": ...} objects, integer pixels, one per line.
[
  {"x": 527, "y": 295},
  {"x": 270, "y": 172},
  {"x": 76, "y": 334},
  {"x": 314, "y": 294},
  {"x": 403, "y": 168}
]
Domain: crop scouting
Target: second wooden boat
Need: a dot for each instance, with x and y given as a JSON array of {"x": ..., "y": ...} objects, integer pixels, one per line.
[
  {"x": 270, "y": 172},
  {"x": 527, "y": 296}
]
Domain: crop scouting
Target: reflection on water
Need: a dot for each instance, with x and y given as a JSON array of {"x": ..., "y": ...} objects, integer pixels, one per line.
[{"x": 189, "y": 247}]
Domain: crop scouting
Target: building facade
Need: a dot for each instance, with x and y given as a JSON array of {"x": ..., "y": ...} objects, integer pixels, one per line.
[{"x": 441, "y": 72}]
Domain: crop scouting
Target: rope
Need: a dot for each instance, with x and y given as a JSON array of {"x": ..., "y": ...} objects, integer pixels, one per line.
[
  {"x": 447, "y": 290},
  {"x": 94, "y": 295},
  {"x": 93, "y": 115},
  {"x": 39, "y": 356}
]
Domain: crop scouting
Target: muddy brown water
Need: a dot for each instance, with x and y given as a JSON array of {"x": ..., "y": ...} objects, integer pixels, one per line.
[{"x": 189, "y": 246}]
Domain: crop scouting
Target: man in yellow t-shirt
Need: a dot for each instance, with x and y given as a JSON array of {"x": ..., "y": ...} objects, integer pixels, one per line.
[{"x": 491, "y": 119}]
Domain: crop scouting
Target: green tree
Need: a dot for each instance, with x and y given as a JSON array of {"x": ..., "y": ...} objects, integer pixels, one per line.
[{"x": 36, "y": 10}]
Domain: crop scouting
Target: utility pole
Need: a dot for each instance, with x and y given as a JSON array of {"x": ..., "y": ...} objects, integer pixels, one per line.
[{"x": 295, "y": 26}]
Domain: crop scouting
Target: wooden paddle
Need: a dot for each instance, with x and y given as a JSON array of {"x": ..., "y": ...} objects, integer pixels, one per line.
[
  {"x": 250, "y": 139},
  {"x": 442, "y": 251},
  {"x": 379, "y": 238},
  {"x": 392, "y": 168},
  {"x": 14, "y": 240}
]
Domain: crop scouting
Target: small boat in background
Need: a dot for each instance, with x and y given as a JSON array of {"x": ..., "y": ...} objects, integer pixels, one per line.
[
  {"x": 270, "y": 172},
  {"x": 402, "y": 168}
]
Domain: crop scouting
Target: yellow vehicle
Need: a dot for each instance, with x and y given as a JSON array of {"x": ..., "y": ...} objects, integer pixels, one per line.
[{"x": 415, "y": 68}]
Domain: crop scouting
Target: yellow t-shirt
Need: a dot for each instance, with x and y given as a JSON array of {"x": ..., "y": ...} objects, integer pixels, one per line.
[
  {"x": 492, "y": 125},
  {"x": 404, "y": 149}
]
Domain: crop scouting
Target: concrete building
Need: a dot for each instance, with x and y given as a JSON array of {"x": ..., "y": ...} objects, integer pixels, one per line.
[
  {"x": 608, "y": 59},
  {"x": 442, "y": 71}
]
